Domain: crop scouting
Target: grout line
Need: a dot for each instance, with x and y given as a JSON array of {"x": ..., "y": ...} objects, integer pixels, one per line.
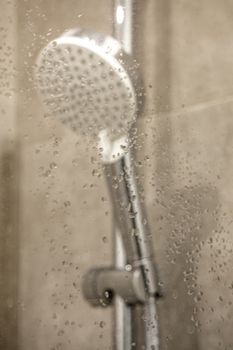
[{"x": 197, "y": 107}]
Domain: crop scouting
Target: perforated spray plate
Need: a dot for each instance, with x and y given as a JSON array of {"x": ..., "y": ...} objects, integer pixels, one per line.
[{"x": 85, "y": 86}]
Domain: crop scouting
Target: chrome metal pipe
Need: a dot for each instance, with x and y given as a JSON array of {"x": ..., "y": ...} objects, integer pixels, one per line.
[
  {"x": 131, "y": 218},
  {"x": 136, "y": 326},
  {"x": 123, "y": 23},
  {"x": 122, "y": 330},
  {"x": 123, "y": 31},
  {"x": 131, "y": 223}
]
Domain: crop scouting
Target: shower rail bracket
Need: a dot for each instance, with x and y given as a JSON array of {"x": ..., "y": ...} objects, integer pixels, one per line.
[{"x": 101, "y": 284}]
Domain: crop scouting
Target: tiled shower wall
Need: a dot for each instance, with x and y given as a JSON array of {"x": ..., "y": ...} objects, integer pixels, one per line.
[
  {"x": 184, "y": 157},
  {"x": 9, "y": 180}
]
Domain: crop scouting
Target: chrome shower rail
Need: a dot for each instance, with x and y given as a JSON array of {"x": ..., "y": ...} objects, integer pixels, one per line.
[
  {"x": 132, "y": 225},
  {"x": 130, "y": 228},
  {"x": 133, "y": 279}
]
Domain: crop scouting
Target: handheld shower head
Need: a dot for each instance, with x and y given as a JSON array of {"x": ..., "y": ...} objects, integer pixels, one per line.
[{"x": 88, "y": 82}]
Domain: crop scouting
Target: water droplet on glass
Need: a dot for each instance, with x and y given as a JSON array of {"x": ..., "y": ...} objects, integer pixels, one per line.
[
  {"x": 102, "y": 324},
  {"x": 75, "y": 162},
  {"x": 104, "y": 239}
]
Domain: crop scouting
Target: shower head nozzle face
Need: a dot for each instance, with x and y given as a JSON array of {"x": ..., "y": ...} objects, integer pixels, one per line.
[{"x": 83, "y": 81}]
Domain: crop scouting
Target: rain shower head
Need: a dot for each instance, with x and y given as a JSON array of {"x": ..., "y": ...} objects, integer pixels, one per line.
[{"x": 89, "y": 83}]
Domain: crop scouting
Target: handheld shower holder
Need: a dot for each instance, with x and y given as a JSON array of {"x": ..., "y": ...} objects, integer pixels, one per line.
[{"x": 100, "y": 285}]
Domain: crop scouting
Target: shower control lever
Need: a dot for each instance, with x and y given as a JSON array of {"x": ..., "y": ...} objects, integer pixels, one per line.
[{"x": 101, "y": 284}]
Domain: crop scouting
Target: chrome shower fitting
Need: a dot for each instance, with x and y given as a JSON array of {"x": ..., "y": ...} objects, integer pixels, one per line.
[
  {"x": 87, "y": 81},
  {"x": 91, "y": 85}
]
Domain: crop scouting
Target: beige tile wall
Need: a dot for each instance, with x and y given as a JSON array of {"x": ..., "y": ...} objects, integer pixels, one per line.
[
  {"x": 186, "y": 151},
  {"x": 189, "y": 66},
  {"x": 9, "y": 249},
  {"x": 65, "y": 222}
]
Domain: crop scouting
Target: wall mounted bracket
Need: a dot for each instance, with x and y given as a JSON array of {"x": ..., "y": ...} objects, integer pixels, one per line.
[{"x": 101, "y": 284}]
